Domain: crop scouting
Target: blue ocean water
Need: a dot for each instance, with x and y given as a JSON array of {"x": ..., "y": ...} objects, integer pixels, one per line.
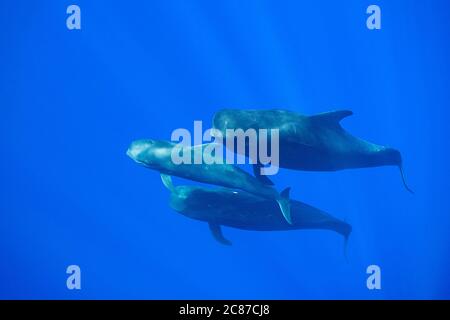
[{"x": 72, "y": 101}]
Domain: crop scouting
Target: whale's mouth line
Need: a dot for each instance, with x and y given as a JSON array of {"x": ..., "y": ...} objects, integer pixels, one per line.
[
  {"x": 140, "y": 162},
  {"x": 145, "y": 165}
]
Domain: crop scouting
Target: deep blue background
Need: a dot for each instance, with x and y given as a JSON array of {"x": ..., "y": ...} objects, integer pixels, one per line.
[{"x": 72, "y": 101}]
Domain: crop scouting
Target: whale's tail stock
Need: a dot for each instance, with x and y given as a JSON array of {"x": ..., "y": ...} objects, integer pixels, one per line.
[{"x": 285, "y": 204}]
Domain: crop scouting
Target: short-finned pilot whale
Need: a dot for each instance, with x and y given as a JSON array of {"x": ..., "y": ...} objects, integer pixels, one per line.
[
  {"x": 157, "y": 155},
  {"x": 311, "y": 143},
  {"x": 242, "y": 210}
]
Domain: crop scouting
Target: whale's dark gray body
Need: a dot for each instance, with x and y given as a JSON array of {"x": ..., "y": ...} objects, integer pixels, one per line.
[
  {"x": 157, "y": 155},
  {"x": 242, "y": 210},
  {"x": 311, "y": 143}
]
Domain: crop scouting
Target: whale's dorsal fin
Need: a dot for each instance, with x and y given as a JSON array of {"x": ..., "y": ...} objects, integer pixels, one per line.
[
  {"x": 216, "y": 231},
  {"x": 332, "y": 117},
  {"x": 285, "y": 205},
  {"x": 167, "y": 181}
]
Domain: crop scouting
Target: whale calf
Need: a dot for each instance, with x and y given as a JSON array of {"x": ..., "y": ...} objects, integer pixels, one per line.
[
  {"x": 310, "y": 143},
  {"x": 242, "y": 210},
  {"x": 157, "y": 155}
]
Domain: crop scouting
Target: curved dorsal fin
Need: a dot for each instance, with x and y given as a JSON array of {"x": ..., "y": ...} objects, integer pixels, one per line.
[{"x": 332, "y": 116}]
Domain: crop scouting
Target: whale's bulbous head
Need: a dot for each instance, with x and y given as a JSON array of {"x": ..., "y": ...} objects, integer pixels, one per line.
[{"x": 148, "y": 152}]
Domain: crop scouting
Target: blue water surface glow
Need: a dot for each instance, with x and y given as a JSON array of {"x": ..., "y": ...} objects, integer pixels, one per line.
[{"x": 72, "y": 101}]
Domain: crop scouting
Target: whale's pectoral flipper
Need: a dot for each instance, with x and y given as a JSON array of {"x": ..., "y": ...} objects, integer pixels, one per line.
[
  {"x": 167, "y": 181},
  {"x": 285, "y": 204},
  {"x": 262, "y": 178},
  {"x": 332, "y": 117},
  {"x": 216, "y": 231}
]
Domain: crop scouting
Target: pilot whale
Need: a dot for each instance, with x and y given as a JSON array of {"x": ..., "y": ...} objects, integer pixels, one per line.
[
  {"x": 310, "y": 143},
  {"x": 157, "y": 155},
  {"x": 242, "y": 210}
]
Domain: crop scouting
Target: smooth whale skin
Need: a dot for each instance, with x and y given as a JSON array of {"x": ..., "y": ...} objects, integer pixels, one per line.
[
  {"x": 242, "y": 210},
  {"x": 157, "y": 155},
  {"x": 311, "y": 143}
]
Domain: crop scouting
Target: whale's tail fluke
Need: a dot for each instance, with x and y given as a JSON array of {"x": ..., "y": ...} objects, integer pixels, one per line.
[
  {"x": 346, "y": 231},
  {"x": 346, "y": 247},
  {"x": 285, "y": 204},
  {"x": 404, "y": 180}
]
